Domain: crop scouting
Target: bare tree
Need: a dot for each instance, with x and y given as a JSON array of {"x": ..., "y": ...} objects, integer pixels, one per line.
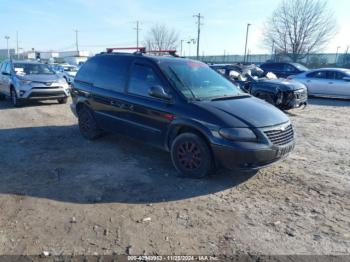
[
  {"x": 161, "y": 37},
  {"x": 300, "y": 27}
]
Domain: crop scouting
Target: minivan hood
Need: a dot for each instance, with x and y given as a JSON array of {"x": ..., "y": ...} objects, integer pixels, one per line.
[
  {"x": 249, "y": 111},
  {"x": 40, "y": 78}
]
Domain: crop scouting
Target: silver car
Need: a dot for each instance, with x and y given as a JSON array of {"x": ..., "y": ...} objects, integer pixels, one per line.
[
  {"x": 26, "y": 80},
  {"x": 67, "y": 71},
  {"x": 326, "y": 82}
]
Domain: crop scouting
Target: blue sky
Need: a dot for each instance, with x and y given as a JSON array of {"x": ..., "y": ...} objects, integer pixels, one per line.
[{"x": 50, "y": 24}]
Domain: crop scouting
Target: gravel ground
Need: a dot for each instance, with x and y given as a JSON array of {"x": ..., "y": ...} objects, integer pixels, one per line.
[{"x": 65, "y": 195}]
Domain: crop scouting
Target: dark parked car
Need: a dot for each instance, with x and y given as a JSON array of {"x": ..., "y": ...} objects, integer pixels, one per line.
[
  {"x": 285, "y": 94},
  {"x": 283, "y": 70},
  {"x": 181, "y": 106}
]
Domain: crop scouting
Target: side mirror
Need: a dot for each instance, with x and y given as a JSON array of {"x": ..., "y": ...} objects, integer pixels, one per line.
[
  {"x": 347, "y": 79},
  {"x": 159, "y": 92}
]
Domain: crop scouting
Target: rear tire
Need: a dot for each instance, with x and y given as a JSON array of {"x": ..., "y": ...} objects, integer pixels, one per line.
[
  {"x": 62, "y": 100},
  {"x": 191, "y": 156},
  {"x": 87, "y": 124}
]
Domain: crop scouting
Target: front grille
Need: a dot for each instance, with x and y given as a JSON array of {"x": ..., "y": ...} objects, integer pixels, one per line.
[
  {"x": 280, "y": 137},
  {"x": 50, "y": 94},
  {"x": 45, "y": 87}
]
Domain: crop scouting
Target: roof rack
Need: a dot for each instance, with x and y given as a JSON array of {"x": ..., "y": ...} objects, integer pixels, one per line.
[
  {"x": 138, "y": 49},
  {"x": 171, "y": 52},
  {"x": 142, "y": 50}
]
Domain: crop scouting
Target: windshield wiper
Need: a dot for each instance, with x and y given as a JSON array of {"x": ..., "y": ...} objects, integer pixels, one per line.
[{"x": 229, "y": 97}]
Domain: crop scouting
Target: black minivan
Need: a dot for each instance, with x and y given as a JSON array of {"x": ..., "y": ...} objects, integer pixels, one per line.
[
  {"x": 283, "y": 70},
  {"x": 182, "y": 106}
]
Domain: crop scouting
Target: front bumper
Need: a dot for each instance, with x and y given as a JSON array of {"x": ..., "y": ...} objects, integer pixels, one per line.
[
  {"x": 36, "y": 93},
  {"x": 249, "y": 156},
  {"x": 295, "y": 99}
]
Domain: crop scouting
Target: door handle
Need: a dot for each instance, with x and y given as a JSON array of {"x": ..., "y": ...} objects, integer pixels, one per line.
[
  {"x": 308, "y": 81},
  {"x": 330, "y": 83}
]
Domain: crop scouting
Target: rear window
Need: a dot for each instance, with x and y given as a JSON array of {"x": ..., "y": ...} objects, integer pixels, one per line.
[{"x": 107, "y": 72}]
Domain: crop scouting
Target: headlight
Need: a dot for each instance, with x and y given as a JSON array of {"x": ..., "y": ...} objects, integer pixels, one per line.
[
  {"x": 62, "y": 81},
  {"x": 25, "y": 82},
  {"x": 238, "y": 134}
]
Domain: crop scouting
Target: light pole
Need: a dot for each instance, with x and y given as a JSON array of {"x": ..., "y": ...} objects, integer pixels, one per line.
[
  {"x": 246, "y": 42},
  {"x": 336, "y": 54},
  {"x": 189, "y": 42},
  {"x": 272, "y": 50},
  {"x": 7, "y": 46},
  {"x": 181, "y": 42}
]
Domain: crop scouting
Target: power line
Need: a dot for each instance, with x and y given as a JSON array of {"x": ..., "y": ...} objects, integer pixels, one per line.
[{"x": 199, "y": 17}]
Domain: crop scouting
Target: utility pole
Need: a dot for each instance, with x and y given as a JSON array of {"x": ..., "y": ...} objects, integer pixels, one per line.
[
  {"x": 137, "y": 33},
  {"x": 246, "y": 43},
  {"x": 336, "y": 54},
  {"x": 199, "y": 17},
  {"x": 272, "y": 50},
  {"x": 76, "y": 41},
  {"x": 7, "y": 46}
]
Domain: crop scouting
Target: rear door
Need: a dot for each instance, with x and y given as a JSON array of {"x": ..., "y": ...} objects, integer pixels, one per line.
[
  {"x": 103, "y": 81},
  {"x": 149, "y": 116},
  {"x": 340, "y": 86},
  {"x": 278, "y": 69}
]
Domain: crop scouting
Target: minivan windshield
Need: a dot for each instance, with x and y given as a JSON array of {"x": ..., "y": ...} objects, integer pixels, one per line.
[
  {"x": 32, "y": 69},
  {"x": 198, "y": 81}
]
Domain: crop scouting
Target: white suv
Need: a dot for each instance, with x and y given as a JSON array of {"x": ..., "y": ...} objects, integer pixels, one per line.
[{"x": 27, "y": 80}]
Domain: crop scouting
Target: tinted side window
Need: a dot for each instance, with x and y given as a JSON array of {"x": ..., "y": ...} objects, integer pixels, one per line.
[
  {"x": 266, "y": 66},
  {"x": 289, "y": 68},
  {"x": 8, "y": 68},
  {"x": 2, "y": 67},
  {"x": 87, "y": 72},
  {"x": 112, "y": 72},
  {"x": 317, "y": 74},
  {"x": 141, "y": 79},
  {"x": 339, "y": 75}
]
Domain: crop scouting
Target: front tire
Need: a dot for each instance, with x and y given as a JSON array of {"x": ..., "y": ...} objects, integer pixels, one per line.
[
  {"x": 14, "y": 98},
  {"x": 87, "y": 124},
  {"x": 191, "y": 156},
  {"x": 62, "y": 100}
]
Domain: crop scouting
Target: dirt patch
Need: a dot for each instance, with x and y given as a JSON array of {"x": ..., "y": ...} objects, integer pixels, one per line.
[{"x": 65, "y": 195}]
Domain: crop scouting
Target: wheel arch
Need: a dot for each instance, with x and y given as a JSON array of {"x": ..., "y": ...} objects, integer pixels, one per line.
[{"x": 190, "y": 127}]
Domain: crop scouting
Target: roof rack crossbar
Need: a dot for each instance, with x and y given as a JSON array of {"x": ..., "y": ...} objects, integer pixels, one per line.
[
  {"x": 171, "y": 52},
  {"x": 138, "y": 49},
  {"x": 143, "y": 50}
]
